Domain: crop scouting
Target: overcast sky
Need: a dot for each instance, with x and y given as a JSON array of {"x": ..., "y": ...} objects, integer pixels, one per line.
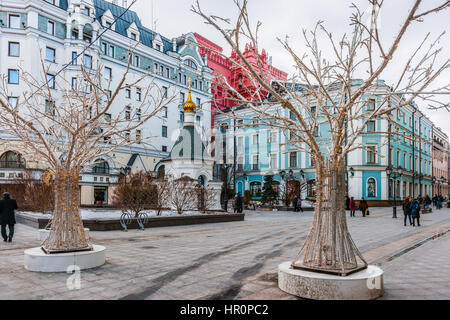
[{"x": 288, "y": 17}]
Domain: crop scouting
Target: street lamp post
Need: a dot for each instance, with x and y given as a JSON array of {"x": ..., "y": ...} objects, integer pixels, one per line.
[
  {"x": 433, "y": 182},
  {"x": 395, "y": 176}
]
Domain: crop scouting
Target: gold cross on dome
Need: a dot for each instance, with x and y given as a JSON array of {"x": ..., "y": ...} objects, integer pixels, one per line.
[{"x": 189, "y": 82}]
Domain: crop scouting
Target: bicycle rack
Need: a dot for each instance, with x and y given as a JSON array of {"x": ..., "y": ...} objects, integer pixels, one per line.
[
  {"x": 125, "y": 219},
  {"x": 142, "y": 219}
]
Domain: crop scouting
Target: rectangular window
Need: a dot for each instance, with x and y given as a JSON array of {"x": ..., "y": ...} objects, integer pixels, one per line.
[
  {"x": 156, "y": 68},
  {"x": 14, "y": 21},
  {"x": 108, "y": 25},
  {"x": 184, "y": 79},
  {"x": 88, "y": 61},
  {"x": 371, "y": 151},
  {"x": 51, "y": 28},
  {"x": 13, "y": 76},
  {"x": 13, "y": 49},
  {"x": 293, "y": 160},
  {"x": 111, "y": 51},
  {"x": 138, "y": 136},
  {"x": 86, "y": 11},
  {"x": 164, "y": 131},
  {"x": 371, "y": 105},
  {"x": 104, "y": 48},
  {"x": 128, "y": 113},
  {"x": 199, "y": 103},
  {"x": 138, "y": 94},
  {"x": 74, "y": 57},
  {"x": 255, "y": 162},
  {"x": 273, "y": 136},
  {"x": 108, "y": 73},
  {"x": 240, "y": 142},
  {"x": 198, "y": 119},
  {"x": 164, "y": 112},
  {"x": 164, "y": 148},
  {"x": 181, "y": 116},
  {"x": 49, "y": 108},
  {"x": 136, "y": 61},
  {"x": 158, "y": 47},
  {"x": 167, "y": 73},
  {"x": 161, "y": 70},
  {"x": 138, "y": 115},
  {"x": 316, "y": 131},
  {"x": 133, "y": 36},
  {"x": 127, "y": 136},
  {"x": 74, "y": 84},
  {"x": 181, "y": 97},
  {"x": 164, "y": 92},
  {"x": 128, "y": 93},
  {"x": 240, "y": 162},
  {"x": 13, "y": 101},
  {"x": 273, "y": 161},
  {"x": 50, "y": 54},
  {"x": 371, "y": 126},
  {"x": 255, "y": 139}
]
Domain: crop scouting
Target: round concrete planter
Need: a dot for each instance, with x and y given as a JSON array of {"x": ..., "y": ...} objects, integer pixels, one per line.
[
  {"x": 43, "y": 234},
  {"x": 37, "y": 260},
  {"x": 363, "y": 285}
]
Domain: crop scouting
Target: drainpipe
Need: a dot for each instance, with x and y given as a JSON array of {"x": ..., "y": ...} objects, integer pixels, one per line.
[
  {"x": 420, "y": 156},
  {"x": 414, "y": 153}
]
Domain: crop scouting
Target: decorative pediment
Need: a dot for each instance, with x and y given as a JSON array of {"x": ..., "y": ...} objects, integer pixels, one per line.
[
  {"x": 157, "y": 42},
  {"x": 189, "y": 51},
  {"x": 107, "y": 17},
  {"x": 133, "y": 29}
]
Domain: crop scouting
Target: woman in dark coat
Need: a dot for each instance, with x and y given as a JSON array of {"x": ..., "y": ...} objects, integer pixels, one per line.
[
  {"x": 7, "y": 216},
  {"x": 363, "y": 206},
  {"x": 352, "y": 207},
  {"x": 407, "y": 210}
]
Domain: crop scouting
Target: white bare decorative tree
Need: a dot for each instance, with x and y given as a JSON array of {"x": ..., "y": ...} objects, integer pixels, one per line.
[
  {"x": 323, "y": 92},
  {"x": 66, "y": 133}
]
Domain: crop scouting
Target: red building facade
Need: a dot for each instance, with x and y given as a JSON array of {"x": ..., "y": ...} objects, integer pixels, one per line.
[{"x": 224, "y": 68}]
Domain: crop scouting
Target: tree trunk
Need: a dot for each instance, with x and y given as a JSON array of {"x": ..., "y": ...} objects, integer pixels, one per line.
[
  {"x": 66, "y": 230},
  {"x": 329, "y": 247}
]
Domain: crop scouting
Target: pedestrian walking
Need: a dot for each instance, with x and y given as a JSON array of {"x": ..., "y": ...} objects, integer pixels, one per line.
[
  {"x": 239, "y": 203},
  {"x": 407, "y": 210},
  {"x": 7, "y": 216},
  {"x": 427, "y": 201},
  {"x": 440, "y": 201},
  {"x": 299, "y": 204},
  {"x": 415, "y": 212},
  {"x": 235, "y": 208},
  {"x": 352, "y": 207},
  {"x": 295, "y": 202},
  {"x": 363, "y": 206}
]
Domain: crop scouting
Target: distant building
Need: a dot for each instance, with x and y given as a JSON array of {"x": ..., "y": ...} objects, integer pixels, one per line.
[
  {"x": 234, "y": 75},
  {"x": 440, "y": 162},
  {"x": 62, "y": 29},
  {"x": 261, "y": 150}
]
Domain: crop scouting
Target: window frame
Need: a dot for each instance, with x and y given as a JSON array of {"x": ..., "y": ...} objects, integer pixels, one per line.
[{"x": 9, "y": 48}]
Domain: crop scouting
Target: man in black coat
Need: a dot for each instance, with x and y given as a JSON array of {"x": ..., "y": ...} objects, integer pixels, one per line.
[
  {"x": 239, "y": 203},
  {"x": 7, "y": 216}
]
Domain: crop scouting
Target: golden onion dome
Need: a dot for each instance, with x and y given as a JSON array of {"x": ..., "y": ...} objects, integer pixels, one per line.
[{"x": 189, "y": 106}]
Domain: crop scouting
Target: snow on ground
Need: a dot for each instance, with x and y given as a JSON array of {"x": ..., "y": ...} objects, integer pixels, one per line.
[{"x": 103, "y": 214}]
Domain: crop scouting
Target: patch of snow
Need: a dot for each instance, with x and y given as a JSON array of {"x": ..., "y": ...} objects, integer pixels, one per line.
[{"x": 103, "y": 214}]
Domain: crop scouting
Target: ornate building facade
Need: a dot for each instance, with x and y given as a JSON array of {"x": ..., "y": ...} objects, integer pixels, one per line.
[
  {"x": 258, "y": 151},
  {"x": 440, "y": 162},
  {"x": 58, "y": 30}
]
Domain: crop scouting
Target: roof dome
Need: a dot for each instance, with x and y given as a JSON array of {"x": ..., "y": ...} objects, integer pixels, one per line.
[{"x": 189, "y": 106}]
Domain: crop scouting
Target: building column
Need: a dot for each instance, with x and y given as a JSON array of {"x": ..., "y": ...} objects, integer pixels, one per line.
[
  {"x": 68, "y": 30},
  {"x": 80, "y": 31}
]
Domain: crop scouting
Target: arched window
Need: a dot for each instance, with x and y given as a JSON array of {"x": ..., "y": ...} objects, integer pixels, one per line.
[
  {"x": 10, "y": 160},
  {"x": 161, "y": 171},
  {"x": 190, "y": 63},
  {"x": 101, "y": 167},
  {"x": 255, "y": 188},
  {"x": 371, "y": 188}
]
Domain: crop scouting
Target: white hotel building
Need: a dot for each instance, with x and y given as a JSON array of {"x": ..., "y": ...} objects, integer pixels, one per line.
[{"x": 61, "y": 29}]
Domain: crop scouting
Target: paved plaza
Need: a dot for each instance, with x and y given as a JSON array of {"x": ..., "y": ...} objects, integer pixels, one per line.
[{"x": 236, "y": 260}]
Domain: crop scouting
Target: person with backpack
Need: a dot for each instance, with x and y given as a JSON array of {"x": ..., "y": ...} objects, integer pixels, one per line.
[
  {"x": 352, "y": 206},
  {"x": 415, "y": 212},
  {"x": 407, "y": 210},
  {"x": 363, "y": 206}
]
